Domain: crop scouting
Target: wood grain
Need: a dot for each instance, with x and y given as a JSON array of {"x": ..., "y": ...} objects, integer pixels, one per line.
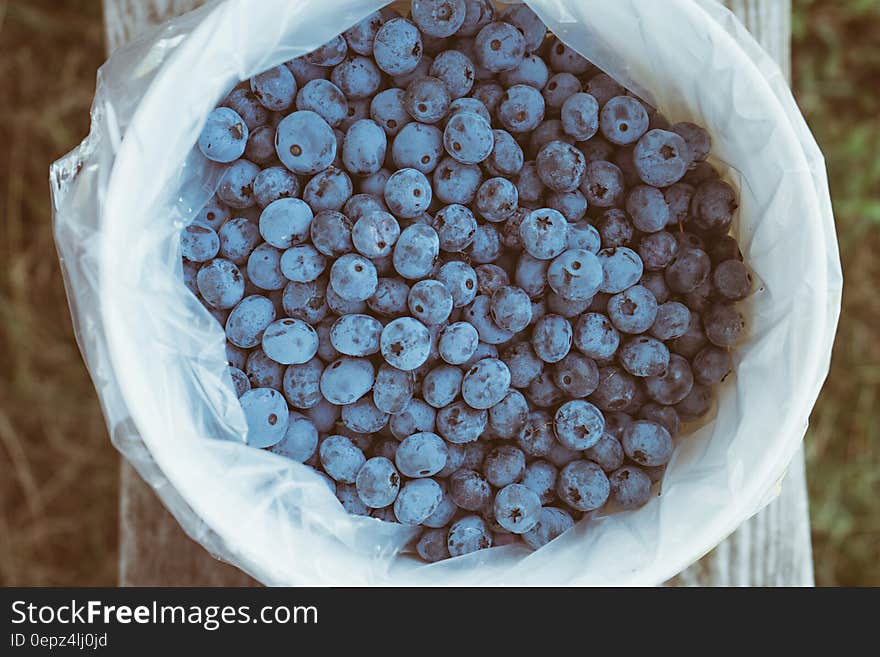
[{"x": 771, "y": 549}]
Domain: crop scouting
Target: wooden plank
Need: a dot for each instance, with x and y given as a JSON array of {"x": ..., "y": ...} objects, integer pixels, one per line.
[{"x": 771, "y": 549}]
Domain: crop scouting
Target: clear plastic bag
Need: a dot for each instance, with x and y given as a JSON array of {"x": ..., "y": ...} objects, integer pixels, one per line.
[{"x": 157, "y": 357}]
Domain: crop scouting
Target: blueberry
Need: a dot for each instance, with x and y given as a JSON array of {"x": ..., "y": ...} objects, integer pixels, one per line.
[
  {"x": 578, "y": 424},
  {"x": 468, "y": 534},
  {"x": 508, "y": 416},
  {"x": 688, "y": 270},
  {"x": 713, "y": 206},
  {"x": 341, "y": 459},
  {"x": 499, "y": 47},
  {"x": 507, "y": 155},
  {"x": 455, "y": 182},
  {"x": 408, "y": 193},
  {"x": 602, "y": 183},
  {"x": 549, "y": 130},
  {"x": 417, "y": 500},
  {"x": 722, "y": 248},
  {"x": 576, "y": 275},
  {"x": 616, "y": 423},
  {"x": 356, "y": 335},
  {"x": 647, "y": 443},
  {"x": 199, "y": 243},
  {"x": 468, "y": 137},
  {"x": 430, "y": 302},
  {"x": 416, "y": 416},
  {"x": 497, "y": 199},
  {"x": 267, "y": 416},
  {"x": 305, "y": 142},
  {"x": 595, "y": 336},
  {"x": 648, "y": 209},
  {"x": 523, "y": 364},
  {"x": 286, "y": 222},
  {"x": 214, "y": 214},
  {"x": 240, "y": 381},
  {"x": 583, "y": 485},
  {"x": 485, "y": 383},
  {"x": 630, "y": 487},
  {"x": 678, "y": 198},
  {"x": 479, "y": 13},
  {"x": 306, "y": 301},
  {"x": 661, "y": 158},
  {"x": 375, "y": 184},
  {"x": 361, "y": 35},
  {"x": 559, "y": 88},
  {"x": 431, "y": 545},
  {"x": 656, "y": 283},
  {"x": 460, "y": 423},
  {"x": 260, "y": 148},
  {"x": 698, "y": 141},
  {"x": 536, "y": 437},
  {"x": 673, "y": 319},
  {"x": 563, "y": 58},
  {"x": 358, "y": 109},
  {"x": 237, "y": 184},
  {"x": 439, "y": 18},
  {"x": 468, "y": 104},
  {"x": 576, "y": 375},
  {"x": 696, "y": 404},
  {"x": 346, "y": 380},
  {"x": 456, "y": 71},
  {"x": 358, "y": 77},
  {"x": 623, "y": 120},
  {"x": 353, "y": 277},
  {"x": 531, "y": 275},
  {"x": 301, "y": 384},
  {"x": 732, "y": 280},
  {"x": 421, "y": 455},
  {"x": 330, "y": 53},
  {"x": 711, "y": 365},
  {"x": 290, "y": 341},
  {"x": 304, "y": 71},
  {"x": 224, "y": 137},
  {"x": 561, "y": 166},
  {"x": 673, "y": 385},
  {"x": 416, "y": 251},
  {"x": 364, "y": 417},
  {"x": 456, "y": 227},
  {"x": 552, "y": 338},
  {"x": 517, "y": 508},
  {"x": 532, "y": 70},
  {"x": 469, "y": 490},
  {"x": 364, "y": 149},
  {"x": 511, "y": 309},
  {"x": 616, "y": 389},
  {"x": 247, "y": 321},
  {"x": 521, "y": 108},
  {"x": 486, "y": 247},
  {"x": 479, "y": 314},
  {"x": 723, "y": 325},
  {"x": 441, "y": 385},
  {"x": 457, "y": 342},
  {"x": 375, "y": 234},
  {"x": 302, "y": 263},
  {"x": 405, "y": 343},
  {"x": 657, "y": 250},
  {"x": 393, "y": 389},
  {"x": 300, "y": 440},
  {"x": 324, "y": 415},
  {"x": 544, "y": 233},
  {"x": 243, "y": 102},
  {"x": 633, "y": 310},
  {"x": 387, "y": 110},
  {"x": 552, "y": 523},
  {"x": 603, "y": 88},
  {"x": 274, "y": 183},
  {"x": 644, "y": 356},
  {"x": 665, "y": 415},
  {"x": 621, "y": 267},
  {"x": 351, "y": 501},
  {"x": 331, "y": 233},
  {"x": 378, "y": 483},
  {"x": 580, "y": 116},
  {"x": 275, "y": 88},
  {"x": 390, "y": 297},
  {"x": 607, "y": 453},
  {"x": 427, "y": 99},
  {"x": 447, "y": 509},
  {"x": 262, "y": 371}
]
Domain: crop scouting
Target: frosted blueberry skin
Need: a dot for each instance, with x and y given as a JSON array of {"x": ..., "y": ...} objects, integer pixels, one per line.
[
  {"x": 341, "y": 459},
  {"x": 674, "y": 384},
  {"x": 301, "y": 384},
  {"x": 459, "y": 423},
  {"x": 439, "y": 18},
  {"x": 267, "y": 416},
  {"x": 468, "y": 138},
  {"x": 305, "y": 142},
  {"x": 275, "y": 88},
  {"x": 521, "y": 108},
  {"x": 647, "y": 443},
  {"x": 544, "y": 233},
  {"x": 405, "y": 343},
  {"x": 417, "y": 500},
  {"x": 456, "y": 70},
  {"x": 602, "y": 183},
  {"x": 247, "y": 321},
  {"x": 457, "y": 343},
  {"x": 623, "y": 120},
  {"x": 237, "y": 184},
  {"x": 224, "y": 137},
  {"x": 421, "y": 455},
  {"x": 346, "y": 380},
  {"x": 378, "y": 483},
  {"x": 468, "y": 534},
  {"x": 552, "y": 523},
  {"x": 290, "y": 341},
  {"x": 397, "y": 47},
  {"x": 583, "y": 485},
  {"x": 431, "y": 545},
  {"x": 578, "y": 425},
  {"x": 499, "y": 47}
]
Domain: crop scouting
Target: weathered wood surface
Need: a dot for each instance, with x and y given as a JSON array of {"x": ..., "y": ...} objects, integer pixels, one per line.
[{"x": 771, "y": 549}]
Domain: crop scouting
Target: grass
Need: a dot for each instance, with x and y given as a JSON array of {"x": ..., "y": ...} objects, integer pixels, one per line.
[{"x": 58, "y": 495}]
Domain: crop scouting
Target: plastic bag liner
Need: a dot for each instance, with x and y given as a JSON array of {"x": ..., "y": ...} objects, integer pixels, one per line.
[{"x": 157, "y": 357}]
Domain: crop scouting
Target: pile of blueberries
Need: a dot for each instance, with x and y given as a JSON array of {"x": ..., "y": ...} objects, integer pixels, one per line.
[{"x": 466, "y": 276}]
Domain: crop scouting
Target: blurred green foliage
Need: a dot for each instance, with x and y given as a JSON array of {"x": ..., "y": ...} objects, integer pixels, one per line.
[
  {"x": 836, "y": 70},
  {"x": 58, "y": 495}
]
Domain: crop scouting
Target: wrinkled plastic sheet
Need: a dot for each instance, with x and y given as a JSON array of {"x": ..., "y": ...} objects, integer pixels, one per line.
[{"x": 157, "y": 357}]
